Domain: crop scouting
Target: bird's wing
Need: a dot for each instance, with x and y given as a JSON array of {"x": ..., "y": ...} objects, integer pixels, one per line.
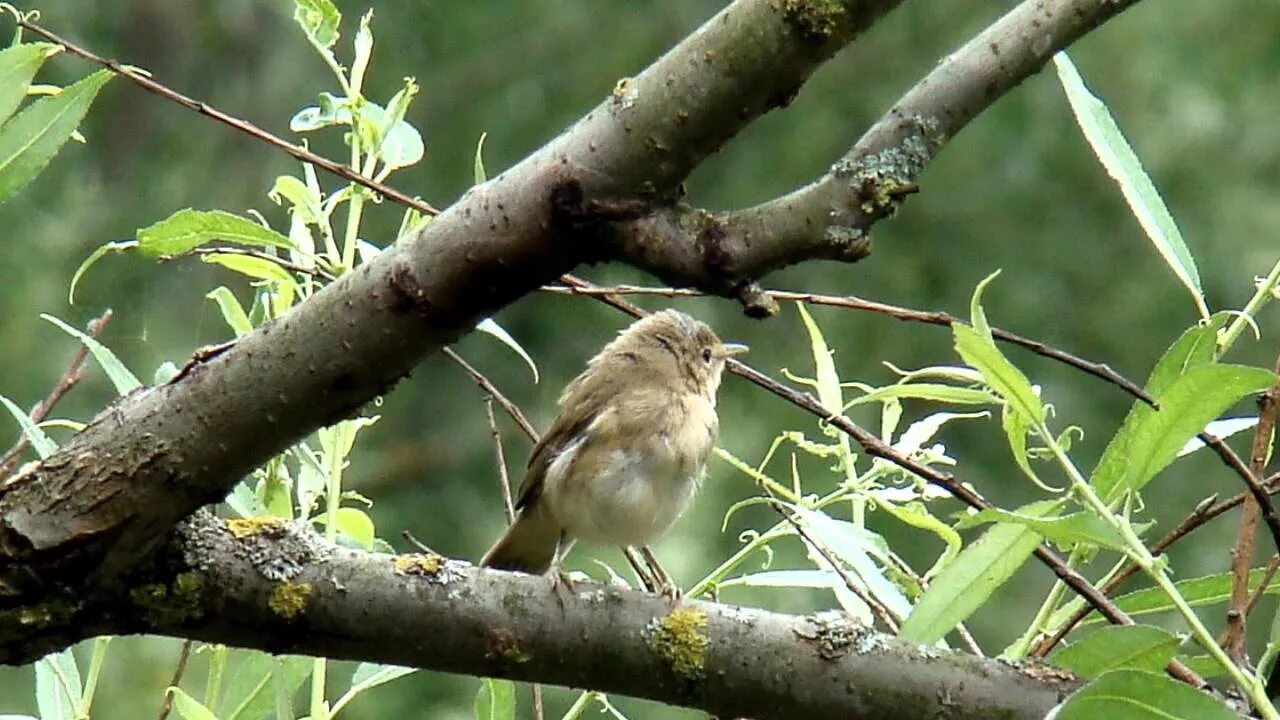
[{"x": 579, "y": 408}]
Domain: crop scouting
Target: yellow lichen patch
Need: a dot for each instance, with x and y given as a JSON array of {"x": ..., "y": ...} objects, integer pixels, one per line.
[
  {"x": 242, "y": 528},
  {"x": 289, "y": 599},
  {"x": 679, "y": 640},
  {"x": 166, "y": 604},
  {"x": 817, "y": 20},
  {"x": 882, "y": 196},
  {"x": 430, "y": 564}
]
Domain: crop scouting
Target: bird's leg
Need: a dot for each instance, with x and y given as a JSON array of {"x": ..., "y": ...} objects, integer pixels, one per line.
[
  {"x": 666, "y": 586},
  {"x": 643, "y": 571},
  {"x": 561, "y": 583}
]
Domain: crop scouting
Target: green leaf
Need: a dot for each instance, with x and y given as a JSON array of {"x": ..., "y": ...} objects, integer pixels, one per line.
[
  {"x": 981, "y": 353},
  {"x": 927, "y": 391},
  {"x": 124, "y": 381},
  {"x": 357, "y": 525},
  {"x": 823, "y": 579},
  {"x": 479, "y": 175},
  {"x": 231, "y": 309},
  {"x": 1140, "y": 695},
  {"x": 111, "y": 247},
  {"x": 286, "y": 287},
  {"x": 1197, "y": 591},
  {"x": 30, "y": 140},
  {"x": 370, "y": 675},
  {"x": 251, "y": 687},
  {"x": 496, "y": 700},
  {"x": 1066, "y": 531},
  {"x": 856, "y": 547},
  {"x": 489, "y": 327},
  {"x": 363, "y": 48},
  {"x": 58, "y": 687},
  {"x": 304, "y": 200},
  {"x": 319, "y": 19},
  {"x": 830, "y": 394},
  {"x": 188, "y": 229},
  {"x": 1123, "y": 165},
  {"x": 188, "y": 707},
  {"x": 18, "y": 65},
  {"x": 43, "y": 445},
  {"x": 1138, "y": 647},
  {"x": 1153, "y": 438},
  {"x": 970, "y": 579},
  {"x": 1206, "y": 666},
  {"x": 978, "y": 316}
]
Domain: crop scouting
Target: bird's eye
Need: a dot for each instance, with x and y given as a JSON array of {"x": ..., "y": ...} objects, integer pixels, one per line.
[{"x": 706, "y": 354}]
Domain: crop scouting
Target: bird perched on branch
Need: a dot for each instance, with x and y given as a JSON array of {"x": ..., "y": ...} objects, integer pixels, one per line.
[{"x": 623, "y": 458}]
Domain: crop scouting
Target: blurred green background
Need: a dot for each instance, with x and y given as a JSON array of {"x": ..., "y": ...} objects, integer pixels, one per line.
[{"x": 1017, "y": 190}]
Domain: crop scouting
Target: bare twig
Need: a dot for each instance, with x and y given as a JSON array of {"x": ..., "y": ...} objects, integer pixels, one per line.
[
  {"x": 1257, "y": 505},
  {"x": 297, "y": 151},
  {"x": 167, "y": 704},
  {"x": 486, "y": 385},
  {"x": 69, "y": 378},
  {"x": 1098, "y": 370},
  {"x": 882, "y": 612},
  {"x": 504, "y": 481}
]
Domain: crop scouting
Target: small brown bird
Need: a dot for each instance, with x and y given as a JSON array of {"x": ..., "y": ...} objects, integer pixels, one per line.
[{"x": 623, "y": 458}]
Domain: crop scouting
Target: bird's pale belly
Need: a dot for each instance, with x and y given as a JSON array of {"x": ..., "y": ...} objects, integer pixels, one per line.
[{"x": 633, "y": 498}]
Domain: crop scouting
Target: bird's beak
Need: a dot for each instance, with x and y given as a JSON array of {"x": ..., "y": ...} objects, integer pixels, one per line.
[{"x": 731, "y": 349}]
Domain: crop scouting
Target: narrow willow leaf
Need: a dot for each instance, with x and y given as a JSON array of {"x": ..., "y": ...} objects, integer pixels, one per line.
[
  {"x": 978, "y": 316},
  {"x": 1200, "y": 395},
  {"x": 489, "y": 327},
  {"x": 1140, "y": 695},
  {"x": 286, "y": 287},
  {"x": 43, "y": 445},
  {"x": 965, "y": 584},
  {"x": 251, "y": 688},
  {"x": 1066, "y": 531},
  {"x": 319, "y": 19},
  {"x": 1138, "y": 647},
  {"x": 232, "y": 312},
  {"x": 927, "y": 391},
  {"x": 860, "y": 550},
  {"x": 1123, "y": 165},
  {"x": 188, "y": 229},
  {"x": 1195, "y": 347},
  {"x": 496, "y": 700},
  {"x": 30, "y": 140},
  {"x": 18, "y": 65},
  {"x": 478, "y": 173},
  {"x": 58, "y": 686},
  {"x": 823, "y": 579},
  {"x": 119, "y": 375},
  {"x": 830, "y": 393},
  {"x": 188, "y": 707},
  {"x": 370, "y": 675},
  {"x": 1197, "y": 591},
  {"x": 109, "y": 248},
  {"x": 1221, "y": 429},
  {"x": 981, "y": 353}
]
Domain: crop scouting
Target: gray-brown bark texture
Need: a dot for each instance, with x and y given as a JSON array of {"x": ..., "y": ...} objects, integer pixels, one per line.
[{"x": 606, "y": 189}]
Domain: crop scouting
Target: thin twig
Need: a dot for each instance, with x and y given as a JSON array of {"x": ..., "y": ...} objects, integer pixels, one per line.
[
  {"x": 1204, "y": 512},
  {"x": 881, "y": 611},
  {"x": 504, "y": 481},
  {"x": 69, "y": 378},
  {"x": 486, "y": 385},
  {"x": 1098, "y": 370},
  {"x": 297, "y": 151},
  {"x": 1258, "y": 505},
  {"x": 167, "y": 704}
]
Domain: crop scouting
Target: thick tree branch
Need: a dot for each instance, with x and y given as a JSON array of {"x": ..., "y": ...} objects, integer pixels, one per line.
[
  {"x": 281, "y": 588},
  {"x": 727, "y": 252},
  {"x": 99, "y": 504}
]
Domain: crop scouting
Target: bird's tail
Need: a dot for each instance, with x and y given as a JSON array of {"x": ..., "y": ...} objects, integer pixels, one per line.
[{"x": 529, "y": 545}]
